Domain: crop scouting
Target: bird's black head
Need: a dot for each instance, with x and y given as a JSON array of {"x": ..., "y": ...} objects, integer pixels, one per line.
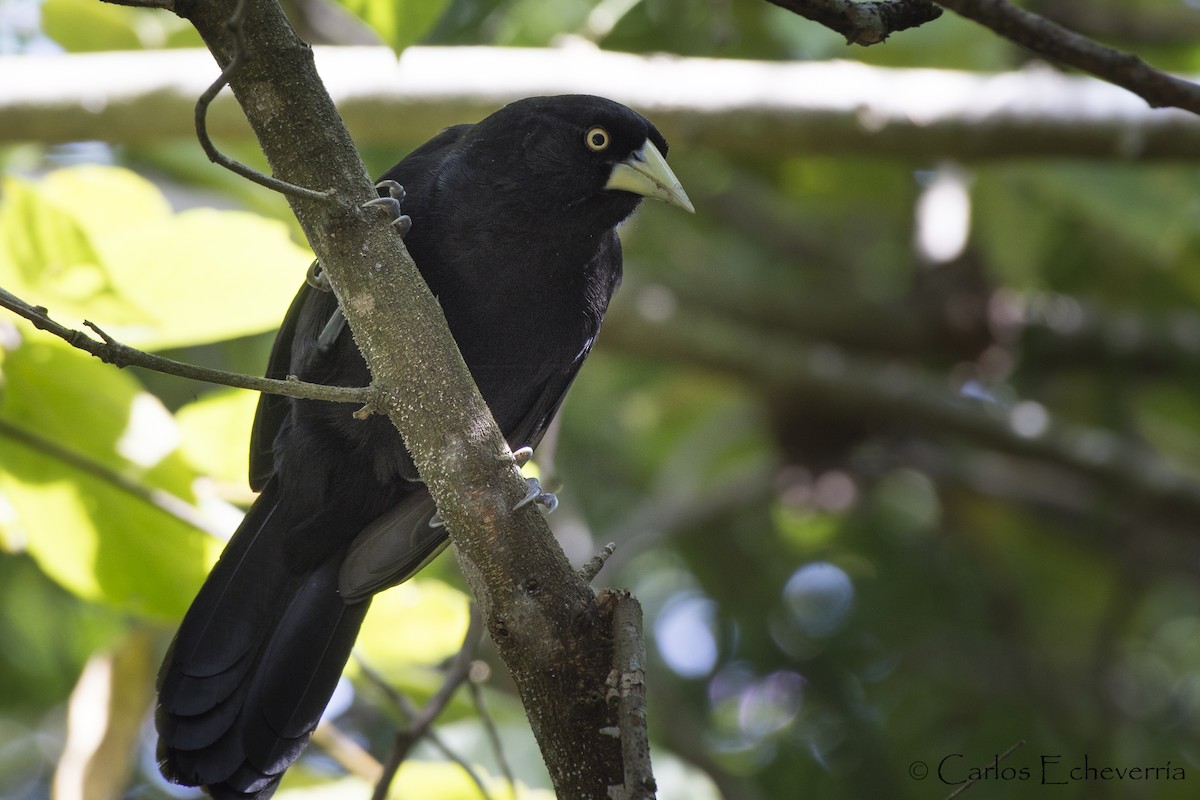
[{"x": 589, "y": 157}]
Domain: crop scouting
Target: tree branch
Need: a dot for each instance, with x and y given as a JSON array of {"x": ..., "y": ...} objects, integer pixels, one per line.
[
  {"x": 236, "y": 27},
  {"x": 1156, "y": 25},
  {"x": 864, "y": 23},
  {"x": 627, "y": 685},
  {"x": 835, "y": 380},
  {"x": 737, "y": 107},
  {"x": 1067, "y": 47},
  {"x": 110, "y": 351},
  {"x": 542, "y": 617}
]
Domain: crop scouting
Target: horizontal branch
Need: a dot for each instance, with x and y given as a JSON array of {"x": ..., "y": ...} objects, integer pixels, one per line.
[
  {"x": 831, "y": 378},
  {"x": 736, "y": 106},
  {"x": 1156, "y": 25},
  {"x": 120, "y": 355},
  {"x": 1055, "y": 42}
]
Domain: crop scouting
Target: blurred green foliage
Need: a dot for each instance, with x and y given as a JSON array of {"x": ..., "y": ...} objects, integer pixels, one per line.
[{"x": 840, "y": 592}]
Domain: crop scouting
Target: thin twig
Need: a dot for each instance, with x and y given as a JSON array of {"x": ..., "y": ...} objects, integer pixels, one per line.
[
  {"x": 342, "y": 748},
  {"x": 236, "y": 28},
  {"x": 111, "y": 351},
  {"x": 1054, "y": 41},
  {"x": 489, "y": 725},
  {"x": 994, "y": 765},
  {"x": 408, "y": 710},
  {"x": 456, "y": 675},
  {"x": 592, "y": 568},
  {"x": 161, "y": 499}
]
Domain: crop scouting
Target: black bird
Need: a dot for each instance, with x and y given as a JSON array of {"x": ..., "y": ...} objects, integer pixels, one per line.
[{"x": 514, "y": 229}]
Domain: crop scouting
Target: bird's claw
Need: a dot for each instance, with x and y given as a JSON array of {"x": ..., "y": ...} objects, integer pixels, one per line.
[
  {"x": 522, "y": 455},
  {"x": 536, "y": 495},
  {"x": 400, "y": 221},
  {"x": 395, "y": 190},
  {"x": 316, "y": 277},
  {"x": 436, "y": 521}
]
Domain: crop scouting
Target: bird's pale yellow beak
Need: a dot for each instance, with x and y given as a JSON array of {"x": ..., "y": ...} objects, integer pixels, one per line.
[{"x": 645, "y": 172}]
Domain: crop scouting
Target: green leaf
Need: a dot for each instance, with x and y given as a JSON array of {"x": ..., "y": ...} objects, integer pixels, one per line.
[
  {"x": 216, "y": 433},
  {"x": 535, "y": 23},
  {"x": 230, "y": 274},
  {"x": 47, "y": 256},
  {"x": 97, "y": 489},
  {"x": 422, "y": 621},
  {"x": 398, "y": 22},
  {"x": 84, "y": 26},
  {"x": 101, "y": 243}
]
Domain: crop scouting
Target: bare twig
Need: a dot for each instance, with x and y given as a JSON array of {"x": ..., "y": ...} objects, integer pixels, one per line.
[
  {"x": 1055, "y": 42},
  {"x": 592, "y": 568},
  {"x": 163, "y": 500},
  {"x": 864, "y": 23},
  {"x": 113, "y": 352},
  {"x": 236, "y": 22},
  {"x": 489, "y": 725},
  {"x": 342, "y": 748},
  {"x": 628, "y": 688},
  {"x": 408, "y": 710},
  {"x": 994, "y": 765},
  {"x": 456, "y": 675}
]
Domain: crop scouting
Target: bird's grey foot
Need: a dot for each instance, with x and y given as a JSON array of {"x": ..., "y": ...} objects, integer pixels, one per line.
[
  {"x": 332, "y": 330},
  {"x": 522, "y": 455},
  {"x": 316, "y": 277},
  {"x": 401, "y": 221},
  {"x": 536, "y": 495}
]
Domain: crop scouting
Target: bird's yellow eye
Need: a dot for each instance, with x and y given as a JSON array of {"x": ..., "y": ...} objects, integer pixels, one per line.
[{"x": 596, "y": 139}]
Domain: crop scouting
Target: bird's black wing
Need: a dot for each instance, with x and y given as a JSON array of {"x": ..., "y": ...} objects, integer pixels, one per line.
[
  {"x": 272, "y": 408},
  {"x": 524, "y": 402}
]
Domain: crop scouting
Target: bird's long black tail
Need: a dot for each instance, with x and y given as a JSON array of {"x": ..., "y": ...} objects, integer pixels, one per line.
[{"x": 256, "y": 658}]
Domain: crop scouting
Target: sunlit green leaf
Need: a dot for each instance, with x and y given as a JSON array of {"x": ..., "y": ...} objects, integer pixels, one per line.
[
  {"x": 215, "y": 433},
  {"x": 419, "y": 622},
  {"x": 399, "y": 23},
  {"x": 229, "y": 274},
  {"x": 101, "y": 243},
  {"x": 83, "y": 26},
  {"x": 80, "y": 26},
  {"x": 99, "y": 493},
  {"x": 48, "y": 258},
  {"x": 538, "y": 22}
]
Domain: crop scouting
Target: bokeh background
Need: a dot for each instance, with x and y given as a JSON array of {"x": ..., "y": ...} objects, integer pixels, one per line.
[{"x": 899, "y": 448}]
